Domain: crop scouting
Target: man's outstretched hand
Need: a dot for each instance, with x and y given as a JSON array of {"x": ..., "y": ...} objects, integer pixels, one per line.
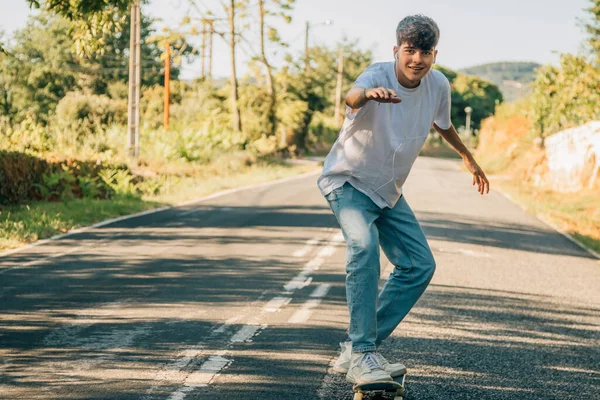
[
  {"x": 479, "y": 178},
  {"x": 382, "y": 95}
]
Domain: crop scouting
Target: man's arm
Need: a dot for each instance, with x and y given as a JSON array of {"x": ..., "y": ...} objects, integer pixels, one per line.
[
  {"x": 451, "y": 136},
  {"x": 358, "y": 96}
]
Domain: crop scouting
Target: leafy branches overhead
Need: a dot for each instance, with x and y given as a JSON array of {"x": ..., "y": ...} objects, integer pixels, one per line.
[
  {"x": 92, "y": 20},
  {"x": 80, "y": 9},
  {"x": 565, "y": 96},
  {"x": 593, "y": 28}
]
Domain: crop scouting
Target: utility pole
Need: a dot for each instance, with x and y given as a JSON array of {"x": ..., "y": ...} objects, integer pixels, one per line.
[
  {"x": 306, "y": 36},
  {"x": 167, "y": 86},
  {"x": 211, "y": 31},
  {"x": 338, "y": 90},
  {"x": 134, "y": 81},
  {"x": 204, "y": 33},
  {"x": 235, "y": 110},
  {"x": 468, "y": 111},
  {"x": 306, "y": 60}
]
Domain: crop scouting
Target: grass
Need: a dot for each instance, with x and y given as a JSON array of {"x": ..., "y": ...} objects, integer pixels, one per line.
[
  {"x": 20, "y": 225},
  {"x": 577, "y": 214}
]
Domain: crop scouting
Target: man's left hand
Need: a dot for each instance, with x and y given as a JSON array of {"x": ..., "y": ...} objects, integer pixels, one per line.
[{"x": 479, "y": 178}]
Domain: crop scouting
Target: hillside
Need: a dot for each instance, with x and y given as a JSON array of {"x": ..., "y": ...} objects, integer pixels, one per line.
[{"x": 512, "y": 78}]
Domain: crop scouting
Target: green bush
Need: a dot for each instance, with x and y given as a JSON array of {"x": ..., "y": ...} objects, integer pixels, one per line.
[
  {"x": 24, "y": 177},
  {"x": 565, "y": 96},
  {"x": 19, "y": 173},
  {"x": 92, "y": 108},
  {"x": 292, "y": 116}
]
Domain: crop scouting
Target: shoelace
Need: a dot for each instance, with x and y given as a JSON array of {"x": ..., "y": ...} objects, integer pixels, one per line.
[{"x": 371, "y": 361}]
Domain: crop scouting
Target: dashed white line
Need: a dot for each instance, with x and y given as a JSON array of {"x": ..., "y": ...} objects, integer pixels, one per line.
[
  {"x": 246, "y": 333},
  {"x": 219, "y": 360},
  {"x": 276, "y": 303},
  {"x": 302, "y": 280},
  {"x": 305, "y": 312},
  {"x": 201, "y": 378},
  {"x": 306, "y": 249},
  {"x": 321, "y": 290}
]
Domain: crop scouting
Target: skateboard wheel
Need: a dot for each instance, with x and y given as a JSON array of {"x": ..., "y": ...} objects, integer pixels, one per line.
[{"x": 358, "y": 396}]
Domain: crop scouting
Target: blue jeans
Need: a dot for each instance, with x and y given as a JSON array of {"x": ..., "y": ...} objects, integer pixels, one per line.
[{"x": 373, "y": 315}]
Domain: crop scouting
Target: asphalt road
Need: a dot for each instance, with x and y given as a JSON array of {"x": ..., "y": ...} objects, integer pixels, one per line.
[{"x": 242, "y": 296}]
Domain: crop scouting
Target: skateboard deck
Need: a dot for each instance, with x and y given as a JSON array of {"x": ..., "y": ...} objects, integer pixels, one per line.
[{"x": 392, "y": 388}]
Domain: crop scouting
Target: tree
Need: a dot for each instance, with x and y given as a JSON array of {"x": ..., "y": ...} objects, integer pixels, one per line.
[
  {"x": 112, "y": 65},
  {"x": 284, "y": 7},
  {"x": 317, "y": 86},
  {"x": 39, "y": 69},
  {"x": 593, "y": 28},
  {"x": 235, "y": 109},
  {"x": 92, "y": 20},
  {"x": 481, "y": 95},
  {"x": 565, "y": 96}
]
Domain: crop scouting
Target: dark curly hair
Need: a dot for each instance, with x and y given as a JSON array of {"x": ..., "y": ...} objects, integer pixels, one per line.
[{"x": 418, "y": 30}]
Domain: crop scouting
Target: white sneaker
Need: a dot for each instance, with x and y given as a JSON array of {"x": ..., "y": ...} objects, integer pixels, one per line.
[
  {"x": 365, "y": 368},
  {"x": 394, "y": 369},
  {"x": 342, "y": 364}
]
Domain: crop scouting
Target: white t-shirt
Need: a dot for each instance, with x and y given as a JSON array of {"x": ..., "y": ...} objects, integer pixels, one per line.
[{"x": 378, "y": 145}]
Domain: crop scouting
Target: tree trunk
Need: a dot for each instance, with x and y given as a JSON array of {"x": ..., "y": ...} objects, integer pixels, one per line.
[
  {"x": 270, "y": 85},
  {"x": 237, "y": 123},
  {"x": 337, "y": 114}
]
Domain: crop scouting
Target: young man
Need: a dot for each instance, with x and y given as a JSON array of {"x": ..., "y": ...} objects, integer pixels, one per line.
[{"x": 390, "y": 111}]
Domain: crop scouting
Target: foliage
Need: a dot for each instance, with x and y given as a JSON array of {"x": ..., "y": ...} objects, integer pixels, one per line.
[
  {"x": 565, "y": 96},
  {"x": 112, "y": 64},
  {"x": 24, "y": 177},
  {"x": 39, "y": 69},
  {"x": 448, "y": 73},
  {"x": 316, "y": 87},
  {"x": 593, "y": 28},
  {"x": 18, "y": 174},
  {"x": 470, "y": 91},
  {"x": 92, "y": 20}
]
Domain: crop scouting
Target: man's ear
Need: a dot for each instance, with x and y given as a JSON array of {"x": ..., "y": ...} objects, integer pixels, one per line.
[
  {"x": 435, "y": 56},
  {"x": 396, "y": 50}
]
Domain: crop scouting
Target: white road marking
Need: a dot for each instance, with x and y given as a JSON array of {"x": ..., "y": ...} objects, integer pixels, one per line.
[
  {"x": 298, "y": 282},
  {"x": 303, "y": 279},
  {"x": 227, "y": 324},
  {"x": 305, "y": 312},
  {"x": 326, "y": 252},
  {"x": 276, "y": 303},
  {"x": 201, "y": 378},
  {"x": 246, "y": 333},
  {"x": 314, "y": 264},
  {"x": 219, "y": 360},
  {"x": 307, "y": 248},
  {"x": 321, "y": 291}
]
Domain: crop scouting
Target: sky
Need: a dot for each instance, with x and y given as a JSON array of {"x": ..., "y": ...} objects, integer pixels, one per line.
[{"x": 472, "y": 31}]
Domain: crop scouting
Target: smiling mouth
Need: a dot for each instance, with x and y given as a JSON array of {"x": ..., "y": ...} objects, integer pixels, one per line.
[{"x": 417, "y": 69}]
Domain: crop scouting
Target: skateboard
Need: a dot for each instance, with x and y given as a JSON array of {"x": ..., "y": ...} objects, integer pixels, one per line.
[{"x": 395, "y": 388}]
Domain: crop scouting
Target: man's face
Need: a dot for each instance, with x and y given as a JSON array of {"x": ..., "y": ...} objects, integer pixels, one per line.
[{"x": 413, "y": 63}]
